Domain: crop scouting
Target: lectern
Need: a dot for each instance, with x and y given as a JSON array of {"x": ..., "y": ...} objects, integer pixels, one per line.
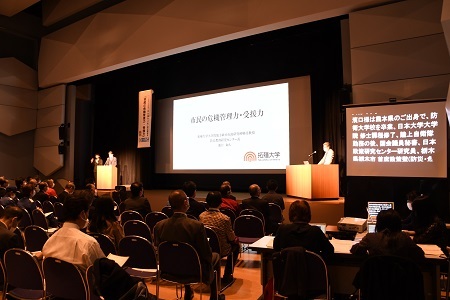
[
  {"x": 106, "y": 177},
  {"x": 313, "y": 181}
]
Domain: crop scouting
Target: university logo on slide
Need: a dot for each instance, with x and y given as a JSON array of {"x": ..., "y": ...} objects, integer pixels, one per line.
[{"x": 250, "y": 156}]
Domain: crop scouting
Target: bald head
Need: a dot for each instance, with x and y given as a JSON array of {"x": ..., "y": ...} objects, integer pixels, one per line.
[
  {"x": 178, "y": 201},
  {"x": 254, "y": 190}
]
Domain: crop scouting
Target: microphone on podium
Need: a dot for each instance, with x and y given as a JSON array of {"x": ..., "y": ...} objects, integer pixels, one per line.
[{"x": 312, "y": 153}]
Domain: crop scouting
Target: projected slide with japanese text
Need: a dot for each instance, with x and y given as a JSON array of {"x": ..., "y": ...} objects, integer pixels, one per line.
[
  {"x": 240, "y": 129},
  {"x": 404, "y": 140}
]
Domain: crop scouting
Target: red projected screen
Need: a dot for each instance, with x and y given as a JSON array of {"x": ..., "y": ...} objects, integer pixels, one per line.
[{"x": 397, "y": 140}]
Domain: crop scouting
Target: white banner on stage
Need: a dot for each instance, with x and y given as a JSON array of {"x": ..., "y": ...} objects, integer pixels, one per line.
[{"x": 144, "y": 118}]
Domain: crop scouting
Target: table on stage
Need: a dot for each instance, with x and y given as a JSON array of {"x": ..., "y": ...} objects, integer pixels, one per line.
[{"x": 343, "y": 266}]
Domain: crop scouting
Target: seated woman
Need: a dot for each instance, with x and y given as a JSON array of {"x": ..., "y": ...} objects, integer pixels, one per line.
[
  {"x": 103, "y": 220},
  {"x": 389, "y": 239},
  {"x": 300, "y": 233}
]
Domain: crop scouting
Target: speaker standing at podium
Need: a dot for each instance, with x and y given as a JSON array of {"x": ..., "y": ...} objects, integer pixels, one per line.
[
  {"x": 328, "y": 156},
  {"x": 111, "y": 160}
]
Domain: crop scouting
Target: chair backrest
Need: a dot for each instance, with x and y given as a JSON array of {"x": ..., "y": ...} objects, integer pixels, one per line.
[
  {"x": 252, "y": 212},
  {"x": 299, "y": 272},
  {"x": 2, "y": 208},
  {"x": 139, "y": 228},
  {"x": 140, "y": 251},
  {"x": 276, "y": 214},
  {"x": 59, "y": 210},
  {"x": 38, "y": 203},
  {"x": 39, "y": 219},
  {"x": 22, "y": 271},
  {"x": 20, "y": 234},
  {"x": 213, "y": 239},
  {"x": 47, "y": 206},
  {"x": 154, "y": 217},
  {"x": 167, "y": 210},
  {"x": 390, "y": 277},
  {"x": 90, "y": 283},
  {"x": 230, "y": 213},
  {"x": 64, "y": 280},
  {"x": 106, "y": 244},
  {"x": 26, "y": 220},
  {"x": 248, "y": 228},
  {"x": 179, "y": 262},
  {"x": 35, "y": 238},
  {"x": 130, "y": 215}
]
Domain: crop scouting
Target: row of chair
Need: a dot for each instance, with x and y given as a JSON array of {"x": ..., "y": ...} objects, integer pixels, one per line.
[{"x": 25, "y": 278}]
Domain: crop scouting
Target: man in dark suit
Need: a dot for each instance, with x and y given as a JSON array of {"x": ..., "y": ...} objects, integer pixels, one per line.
[
  {"x": 67, "y": 193},
  {"x": 42, "y": 195},
  {"x": 255, "y": 202},
  {"x": 195, "y": 208},
  {"x": 27, "y": 202},
  {"x": 180, "y": 228},
  {"x": 8, "y": 222},
  {"x": 137, "y": 202}
]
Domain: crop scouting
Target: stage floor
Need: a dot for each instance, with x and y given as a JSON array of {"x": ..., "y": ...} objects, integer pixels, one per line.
[{"x": 322, "y": 211}]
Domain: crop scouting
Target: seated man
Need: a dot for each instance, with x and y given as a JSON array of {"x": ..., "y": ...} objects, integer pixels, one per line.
[
  {"x": 69, "y": 243},
  {"x": 195, "y": 207},
  {"x": 272, "y": 196},
  {"x": 8, "y": 222},
  {"x": 67, "y": 193},
  {"x": 42, "y": 195},
  {"x": 137, "y": 202},
  {"x": 9, "y": 198},
  {"x": 183, "y": 229},
  {"x": 300, "y": 233},
  {"x": 261, "y": 205},
  {"x": 26, "y": 202},
  {"x": 221, "y": 224},
  {"x": 389, "y": 239}
]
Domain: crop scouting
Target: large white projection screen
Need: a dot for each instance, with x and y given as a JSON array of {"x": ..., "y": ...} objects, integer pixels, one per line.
[
  {"x": 259, "y": 128},
  {"x": 397, "y": 140}
]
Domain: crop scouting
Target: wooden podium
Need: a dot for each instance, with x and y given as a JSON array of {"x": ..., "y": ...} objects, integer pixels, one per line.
[
  {"x": 106, "y": 177},
  {"x": 313, "y": 181}
]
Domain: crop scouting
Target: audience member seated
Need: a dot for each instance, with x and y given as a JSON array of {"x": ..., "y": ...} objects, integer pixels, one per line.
[
  {"x": 20, "y": 183},
  {"x": 428, "y": 227},
  {"x": 255, "y": 202},
  {"x": 9, "y": 199},
  {"x": 227, "y": 202},
  {"x": 389, "y": 239},
  {"x": 89, "y": 193},
  {"x": 103, "y": 220},
  {"x": 3, "y": 185},
  {"x": 42, "y": 194},
  {"x": 51, "y": 191},
  {"x": 272, "y": 196},
  {"x": 221, "y": 224},
  {"x": 408, "y": 222},
  {"x": 26, "y": 202},
  {"x": 69, "y": 243},
  {"x": 138, "y": 202},
  {"x": 8, "y": 223},
  {"x": 67, "y": 193},
  {"x": 195, "y": 208},
  {"x": 301, "y": 233},
  {"x": 183, "y": 229},
  {"x": 230, "y": 195}
]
